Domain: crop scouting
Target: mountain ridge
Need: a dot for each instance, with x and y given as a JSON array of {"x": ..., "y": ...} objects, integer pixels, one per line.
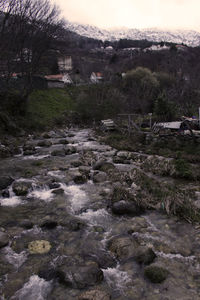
[{"x": 188, "y": 37}]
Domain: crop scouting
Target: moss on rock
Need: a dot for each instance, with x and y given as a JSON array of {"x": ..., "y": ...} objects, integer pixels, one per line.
[{"x": 156, "y": 274}]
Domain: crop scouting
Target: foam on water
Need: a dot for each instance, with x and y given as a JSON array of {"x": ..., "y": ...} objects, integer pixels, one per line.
[
  {"x": 16, "y": 259},
  {"x": 44, "y": 194},
  {"x": 147, "y": 236},
  {"x": 116, "y": 279},
  {"x": 97, "y": 217},
  {"x": 57, "y": 174},
  {"x": 35, "y": 230},
  {"x": 12, "y": 200},
  {"x": 35, "y": 157},
  {"x": 35, "y": 289},
  {"x": 77, "y": 197},
  {"x": 188, "y": 259}
]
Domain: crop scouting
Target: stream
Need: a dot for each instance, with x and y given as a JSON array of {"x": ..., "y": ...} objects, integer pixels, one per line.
[{"x": 60, "y": 240}]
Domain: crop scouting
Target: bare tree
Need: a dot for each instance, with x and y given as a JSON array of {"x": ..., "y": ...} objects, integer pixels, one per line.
[{"x": 27, "y": 29}]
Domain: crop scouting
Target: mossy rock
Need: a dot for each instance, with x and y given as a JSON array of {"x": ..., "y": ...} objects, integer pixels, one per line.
[
  {"x": 39, "y": 247},
  {"x": 21, "y": 188},
  {"x": 156, "y": 274}
]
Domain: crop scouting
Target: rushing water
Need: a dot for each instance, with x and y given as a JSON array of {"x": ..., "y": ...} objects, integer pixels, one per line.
[{"x": 77, "y": 221}]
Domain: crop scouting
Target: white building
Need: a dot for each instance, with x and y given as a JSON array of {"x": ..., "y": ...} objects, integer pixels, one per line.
[
  {"x": 96, "y": 77},
  {"x": 58, "y": 81},
  {"x": 65, "y": 63}
]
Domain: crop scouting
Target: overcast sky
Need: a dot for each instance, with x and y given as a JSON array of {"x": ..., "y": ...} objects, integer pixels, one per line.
[{"x": 183, "y": 14}]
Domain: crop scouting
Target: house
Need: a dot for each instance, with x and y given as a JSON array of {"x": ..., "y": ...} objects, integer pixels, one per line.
[
  {"x": 109, "y": 48},
  {"x": 181, "y": 48},
  {"x": 96, "y": 77},
  {"x": 65, "y": 63},
  {"x": 58, "y": 81},
  {"x": 156, "y": 48}
]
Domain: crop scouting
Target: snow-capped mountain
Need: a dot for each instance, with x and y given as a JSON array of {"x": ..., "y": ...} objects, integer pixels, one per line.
[{"x": 188, "y": 37}]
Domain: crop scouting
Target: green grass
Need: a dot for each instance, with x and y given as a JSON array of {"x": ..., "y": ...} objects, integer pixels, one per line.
[{"x": 48, "y": 107}]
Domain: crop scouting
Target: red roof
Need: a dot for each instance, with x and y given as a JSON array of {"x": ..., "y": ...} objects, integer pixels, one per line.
[
  {"x": 98, "y": 74},
  {"x": 54, "y": 77}
]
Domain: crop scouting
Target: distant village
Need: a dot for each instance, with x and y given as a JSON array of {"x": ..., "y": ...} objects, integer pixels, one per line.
[{"x": 68, "y": 76}]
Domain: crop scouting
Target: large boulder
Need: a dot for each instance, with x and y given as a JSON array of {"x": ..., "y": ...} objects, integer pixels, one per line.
[
  {"x": 58, "y": 152},
  {"x": 94, "y": 295},
  {"x": 44, "y": 143},
  {"x": 79, "y": 178},
  {"x": 21, "y": 188},
  {"x": 4, "y": 239},
  {"x": 80, "y": 277},
  {"x": 99, "y": 177},
  {"x": 145, "y": 255},
  {"x": 103, "y": 166},
  {"x": 4, "y": 151},
  {"x": 123, "y": 247},
  {"x": 73, "y": 223},
  {"x": 70, "y": 150},
  {"x": 126, "y": 207},
  {"x": 48, "y": 223},
  {"x": 63, "y": 141},
  {"x": 5, "y": 181},
  {"x": 101, "y": 257}
]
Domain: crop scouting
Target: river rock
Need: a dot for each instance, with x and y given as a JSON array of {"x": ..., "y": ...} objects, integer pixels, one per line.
[
  {"x": 79, "y": 178},
  {"x": 4, "y": 239},
  {"x": 76, "y": 163},
  {"x": 126, "y": 207},
  {"x": 139, "y": 224},
  {"x": 27, "y": 224},
  {"x": 47, "y": 273},
  {"x": 84, "y": 170},
  {"x": 73, "y": 223},
  {"x": 123, "y": 247},
  {"x": 48, "y": 223},
  {"x": 54, "y": 185},
  {"x": 63, "y": 141},
  {"x": 4, "y": 151},
  {"x": 46, "y": 135},
  {"x": 58, "y": 152},
  {"x": 39, "y": 247},
  {"x": 145, "y": 256},
  {"x": 80, "y": 276},
  {"x": 123, "y": 154},
  {"x": 70, "y": 150},
  {"x": 29, "y": 152},
  {"x": 29, "y": 147},
  {"x": 94, "y": 295},
  {"x": 5, "y": 193},
  {"x": 99, "y": 177},
  {"x": 21, "y": 188},
  {"x": 58, "y": 191},
  {"x": 101, "y": 257},
  {"x": 5, "y": 267},
  {"x": 5, "y": 181},
  {"x": 44, "y": 143},
  {"x": 103, "y": 166},
  {"x": 118, "y": 160},
  {"x": 156, "y": 274}
]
